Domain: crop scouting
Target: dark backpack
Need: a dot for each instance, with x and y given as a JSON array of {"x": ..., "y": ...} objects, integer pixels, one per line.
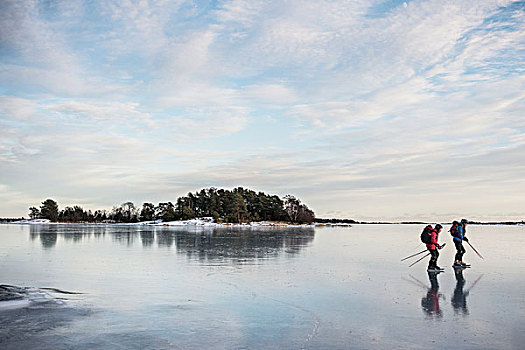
[
  {"x": 426, "y": 235},
  {"x": 454, "y": 231}
]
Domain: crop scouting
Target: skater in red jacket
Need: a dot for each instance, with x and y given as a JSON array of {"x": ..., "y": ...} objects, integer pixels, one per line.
[{"x": 433, "y": 249}]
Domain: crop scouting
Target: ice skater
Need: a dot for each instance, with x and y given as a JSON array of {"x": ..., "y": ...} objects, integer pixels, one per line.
[
  {"x": 458, "y": 232},
  {"x": 433, "y": 247}
]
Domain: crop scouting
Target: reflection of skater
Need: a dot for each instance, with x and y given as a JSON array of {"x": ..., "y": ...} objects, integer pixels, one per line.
[
  {"x": 433, "y": 248},
  {"x": 459, "y": 298},
  {"x": 430, "y": 302},
  {"x": 458, "y": 232}
]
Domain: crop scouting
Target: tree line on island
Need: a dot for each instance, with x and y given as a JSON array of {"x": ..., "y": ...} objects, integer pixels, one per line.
[{"x": 236, "y": 206}]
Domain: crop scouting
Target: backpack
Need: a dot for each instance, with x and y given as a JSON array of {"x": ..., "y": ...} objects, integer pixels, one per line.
[
  {"x": 454, "y": 231},
  {"x": 426, "y": 235}
]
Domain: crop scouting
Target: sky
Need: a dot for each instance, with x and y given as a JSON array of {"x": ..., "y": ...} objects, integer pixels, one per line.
[{"x": 370, "y": 110}]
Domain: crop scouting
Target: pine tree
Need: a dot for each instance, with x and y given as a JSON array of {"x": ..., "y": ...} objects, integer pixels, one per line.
[
  {"x": 49, "y": 210},
  {"x": 148, "y": 212},
  {"x": 34, "y": 213}
]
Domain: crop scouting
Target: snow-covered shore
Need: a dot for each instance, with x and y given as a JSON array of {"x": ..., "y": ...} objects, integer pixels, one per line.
[
  {"x": 201, "y": 222},
  {"x": 206, "y": 222},
  {"x": 31, "y": 221}
]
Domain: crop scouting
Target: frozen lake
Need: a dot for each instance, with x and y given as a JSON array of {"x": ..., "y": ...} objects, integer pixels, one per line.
[{"x": 323, "y": 288}]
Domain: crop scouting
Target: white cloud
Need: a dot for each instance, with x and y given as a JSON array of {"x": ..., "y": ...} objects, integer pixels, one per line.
[
  {"x": 207, "y": 123},
  {"x": 365, "y": 186},
  {"x": 240, "y": 11},
  {"x": 189, "y": 59},
  {"x": 96, "y": 112},
  {"x": 272, "y": 94},
  {"x": 40, "y": 54},
  {"x": 16, "y": 107},
  {"x": 138, "y": 26}
]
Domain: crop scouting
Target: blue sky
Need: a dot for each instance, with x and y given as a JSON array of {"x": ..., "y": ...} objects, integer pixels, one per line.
[{"x": 363, "y": 109}]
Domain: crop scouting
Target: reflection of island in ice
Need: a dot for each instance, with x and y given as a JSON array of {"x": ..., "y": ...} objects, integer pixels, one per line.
[
  {"x": 204, "y": 244},
  {"x": 241, "y": 245}
]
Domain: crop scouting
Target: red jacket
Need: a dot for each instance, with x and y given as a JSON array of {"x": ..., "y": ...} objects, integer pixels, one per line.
[{"x": 434, "y": 236}]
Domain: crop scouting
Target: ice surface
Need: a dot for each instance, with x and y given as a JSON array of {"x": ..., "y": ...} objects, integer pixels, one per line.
[
  {"x": 299, "y": 288},
  {"x": 16, "y": 297}
]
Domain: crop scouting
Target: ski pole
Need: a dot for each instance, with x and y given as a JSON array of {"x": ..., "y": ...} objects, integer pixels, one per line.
[
  {"x": 418, "y": 260},
  {"x": 408, "y": 257},
  {"x": 424, "y": 256},
  {"x": 474, "y": 249}
]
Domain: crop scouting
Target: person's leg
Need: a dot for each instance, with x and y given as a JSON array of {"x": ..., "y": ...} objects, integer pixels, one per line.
[
  {"x": 433, "y": 258},
  {"x": 430, "y": 265},
  {"x": 461, "y": 251},
  {"x": 459, "y": 254}
]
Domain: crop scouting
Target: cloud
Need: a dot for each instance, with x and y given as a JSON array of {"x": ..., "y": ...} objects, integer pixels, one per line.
[
  {"x": 239, "y": 11},
  {"x": 407, "y": 182},
  {"x": 112, "y": 113},
  {"x": 270, "y": 94},
  {"x": 202, "y": 123},
  {"x": 36, "y": 52},
  {"x": 15, "y": 202},
  {"x": 138, "y": 27},
  {"x": 17, "y": 107}
]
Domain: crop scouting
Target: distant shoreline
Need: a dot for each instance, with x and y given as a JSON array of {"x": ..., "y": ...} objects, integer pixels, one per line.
[{"x": 180, "y": 223}]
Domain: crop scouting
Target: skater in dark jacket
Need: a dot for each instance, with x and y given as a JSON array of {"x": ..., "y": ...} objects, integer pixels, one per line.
[
  {"x": 433, "y": 248},
  {"x": 458, "y": 233}
]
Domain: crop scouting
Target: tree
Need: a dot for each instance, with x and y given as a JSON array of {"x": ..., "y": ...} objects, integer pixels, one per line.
[
  {"x": 34, "y": 213},
  {"x": 306, "y": 216},
  {"x": 73, "y": 214},
  {"x": 202, "y": 203},
  {"x": 292, "y": 207},
  {"x": 100, "y": 215},
  {"x": 297, "y": 212},
  {"x": 148, "y": 212},
  {"x": 49, "y": 210},
  {"x": 215, "y": 202},
  {"x": 129, "y": 212},
  {"x": 187, "y": 213},
  {"x": 116, "y": 214},
  {"x": 166, "y": 212},
  {"x": 237, "y": 211}
]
